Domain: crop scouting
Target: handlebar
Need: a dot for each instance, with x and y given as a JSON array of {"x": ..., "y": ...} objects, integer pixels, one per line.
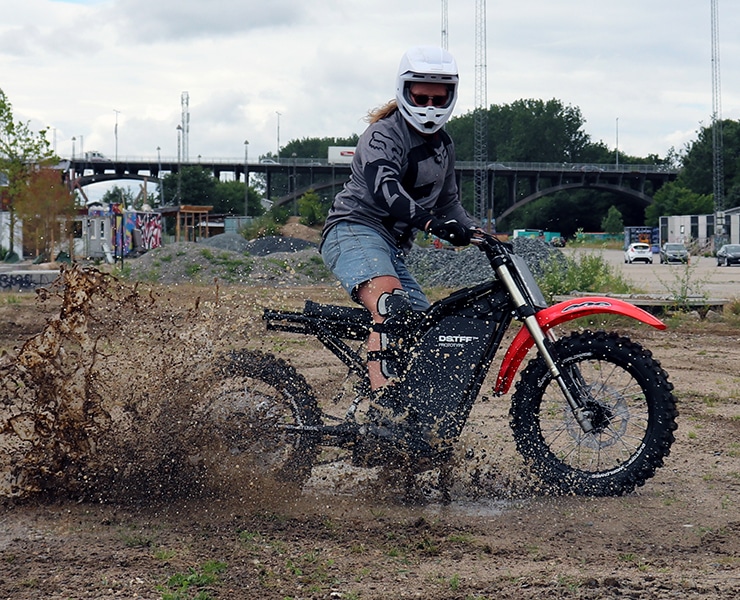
[{"x": 490, "y": 243}]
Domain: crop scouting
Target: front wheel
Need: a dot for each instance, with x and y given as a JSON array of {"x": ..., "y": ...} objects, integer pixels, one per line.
[{"x": 634, "y": 416}]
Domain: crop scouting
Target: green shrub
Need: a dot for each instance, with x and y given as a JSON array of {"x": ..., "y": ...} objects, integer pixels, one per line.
[
  {"x": 590, "y": 273},
  {"x": 268, "y": 224},
  {"x": 279, "y": 214},
  {"x": 733, "y": 308},
  {"x": 261, "y": 227},
  {"x": 310, "y": 209}
]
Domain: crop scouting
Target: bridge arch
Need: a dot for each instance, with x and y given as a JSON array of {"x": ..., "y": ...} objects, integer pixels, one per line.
[
  {"x": 634, "y": 195},
  {"x": 79, "y": 183},
  {"x": 85, "y": 180}
]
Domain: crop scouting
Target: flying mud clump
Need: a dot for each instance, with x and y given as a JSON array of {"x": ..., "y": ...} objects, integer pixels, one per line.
[{"x": 103, "y": 404}]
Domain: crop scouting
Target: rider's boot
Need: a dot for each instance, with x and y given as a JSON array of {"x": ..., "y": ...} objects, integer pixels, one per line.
[{"x": 383, "y": 431}]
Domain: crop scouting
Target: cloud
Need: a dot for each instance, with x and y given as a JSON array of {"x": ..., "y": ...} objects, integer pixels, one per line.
[
  {"x": 324, "y": 63},
  {"x": 182, "y": 20}
]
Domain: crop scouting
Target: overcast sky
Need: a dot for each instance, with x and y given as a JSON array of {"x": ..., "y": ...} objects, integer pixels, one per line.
[{"x": 637, "y": 68}]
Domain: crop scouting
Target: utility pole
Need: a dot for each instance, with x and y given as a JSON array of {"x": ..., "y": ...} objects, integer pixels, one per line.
[
  {"x": 718, "y": 167},
  {"x": 483, "y": 204}
]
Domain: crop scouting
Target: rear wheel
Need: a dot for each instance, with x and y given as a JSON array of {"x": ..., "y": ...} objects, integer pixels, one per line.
[
  {"x": 634, "y": 417},
  {"x": 252, "y": 412}
]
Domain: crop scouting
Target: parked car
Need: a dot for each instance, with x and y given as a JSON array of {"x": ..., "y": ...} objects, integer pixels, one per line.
[
  {"x": 729, "y": 254},
  {"x": 638, "y": 252},
  {"x": 558, "y": 242},
  {"x": 673, "y": 253}
]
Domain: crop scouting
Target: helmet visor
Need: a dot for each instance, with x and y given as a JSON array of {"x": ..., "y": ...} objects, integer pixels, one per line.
[{"x": 422, "y": 98}]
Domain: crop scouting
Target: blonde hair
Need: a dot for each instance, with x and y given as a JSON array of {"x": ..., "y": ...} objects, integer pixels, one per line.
[{"x": 382, "y": 112}]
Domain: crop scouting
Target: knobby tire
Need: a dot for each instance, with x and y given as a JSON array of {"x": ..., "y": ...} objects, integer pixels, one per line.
[{"x": 635, "y": 417}]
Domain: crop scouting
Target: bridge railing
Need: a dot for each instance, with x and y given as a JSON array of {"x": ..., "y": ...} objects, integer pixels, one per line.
[{"x": 500, "y": 167}]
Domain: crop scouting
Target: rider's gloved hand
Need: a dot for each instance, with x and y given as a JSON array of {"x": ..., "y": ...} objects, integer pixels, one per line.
[{"x": 452, "y": 231}]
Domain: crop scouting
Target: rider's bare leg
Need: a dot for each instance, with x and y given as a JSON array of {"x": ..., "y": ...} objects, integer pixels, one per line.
[{"x": 368, "y": 293}]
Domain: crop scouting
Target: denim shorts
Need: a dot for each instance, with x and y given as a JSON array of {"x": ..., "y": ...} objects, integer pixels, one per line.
[{"x": 357, "y": 253}]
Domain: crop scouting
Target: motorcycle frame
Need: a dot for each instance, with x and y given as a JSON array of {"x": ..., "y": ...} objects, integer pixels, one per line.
[{"x": 511, "y": 295}]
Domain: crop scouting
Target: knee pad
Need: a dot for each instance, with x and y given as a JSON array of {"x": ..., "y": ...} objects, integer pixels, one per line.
[
  {"x": 395, "y": 308},
  {"x": 398, "y": 314}
]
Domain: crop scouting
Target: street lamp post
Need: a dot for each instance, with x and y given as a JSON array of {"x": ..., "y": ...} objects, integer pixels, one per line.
[
  {"x": 74, "y": 139},
  {"x": 246, "y": 178},
  {"x": 294, "y": 187},
  {"x": 115, "y": 132},
  {"x": 277, "y": 156},
  {"x": 159, "y": 174},
  {"x": 617, "y": 142}
]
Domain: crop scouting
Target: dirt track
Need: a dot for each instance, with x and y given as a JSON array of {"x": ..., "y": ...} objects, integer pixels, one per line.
[{"x": 348, "y": 537}]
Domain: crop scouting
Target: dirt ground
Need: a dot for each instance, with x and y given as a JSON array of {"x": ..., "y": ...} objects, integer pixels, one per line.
[{"x": 347, "y": 536}]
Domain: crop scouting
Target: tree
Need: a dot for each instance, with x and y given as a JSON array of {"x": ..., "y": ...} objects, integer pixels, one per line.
[
  {"x": 230, "y": 199},
  {"x": 613, "y": 223},
  {"x": 675, "y": 199},
  {"x": 21, "y": 153},
  {"x": 118, "y": 195},
  {"x": 316, "y": 147},
  {"x": 527, "y": 131},
  {"x": 197, "y": 186},
  {"x": 47, "y": 207},
  {"x": 192, "y": 185},
  {"x": 697, "y": 163}
]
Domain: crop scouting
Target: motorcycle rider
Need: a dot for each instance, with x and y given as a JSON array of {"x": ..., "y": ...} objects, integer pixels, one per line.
[{"x": 402, "y": 181}]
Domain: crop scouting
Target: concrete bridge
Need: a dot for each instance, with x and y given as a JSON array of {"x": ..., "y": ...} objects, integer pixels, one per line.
[{"x": 289, "y": 178}]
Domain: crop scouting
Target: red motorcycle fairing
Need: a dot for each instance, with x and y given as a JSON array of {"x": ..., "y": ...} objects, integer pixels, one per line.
[{"x": 560, "y": 313}]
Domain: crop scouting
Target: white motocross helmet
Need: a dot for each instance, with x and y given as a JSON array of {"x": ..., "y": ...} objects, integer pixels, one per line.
[{"x": 426, "y": 64}]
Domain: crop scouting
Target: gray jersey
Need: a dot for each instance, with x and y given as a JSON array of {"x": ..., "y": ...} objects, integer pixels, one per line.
[{"x": 399, "y": 179}]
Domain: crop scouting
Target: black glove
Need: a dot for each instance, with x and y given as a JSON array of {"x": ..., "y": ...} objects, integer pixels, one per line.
[{"x": 452, "y": 231}]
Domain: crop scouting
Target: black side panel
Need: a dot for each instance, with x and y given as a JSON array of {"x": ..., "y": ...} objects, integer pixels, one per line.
[{"x": 442, "y": 368}]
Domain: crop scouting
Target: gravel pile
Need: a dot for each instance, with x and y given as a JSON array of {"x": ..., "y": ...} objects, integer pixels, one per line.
[
  {"x": 227, "y": 241},
  {"x": 271, "y": 244},
  {"x": 185, "y": 262},
  {"x": 282, "y": 261},
  {"x": 259, "y": 247},
  {"x": 469, "y": 266}
]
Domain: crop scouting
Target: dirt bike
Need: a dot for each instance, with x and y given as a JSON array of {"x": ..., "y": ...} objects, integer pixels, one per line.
[{"x": 593, "y": 413}]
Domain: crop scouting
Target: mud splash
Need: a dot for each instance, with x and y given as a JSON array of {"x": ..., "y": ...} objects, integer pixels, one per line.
[
  {"x": 100, "y": 405},
  {"x": 127, "y": 395}
]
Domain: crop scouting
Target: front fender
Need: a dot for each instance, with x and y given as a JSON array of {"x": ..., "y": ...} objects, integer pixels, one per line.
[{"x": 560, "y": 313}]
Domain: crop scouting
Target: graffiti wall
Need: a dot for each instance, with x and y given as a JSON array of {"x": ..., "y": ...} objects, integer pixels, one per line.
[
  {"x": 150, "y": 225},
  {"x": 130, "y": 230}
]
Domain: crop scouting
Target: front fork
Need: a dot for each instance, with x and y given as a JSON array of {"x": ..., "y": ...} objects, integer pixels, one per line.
[{"x": 566, "y": 379}]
